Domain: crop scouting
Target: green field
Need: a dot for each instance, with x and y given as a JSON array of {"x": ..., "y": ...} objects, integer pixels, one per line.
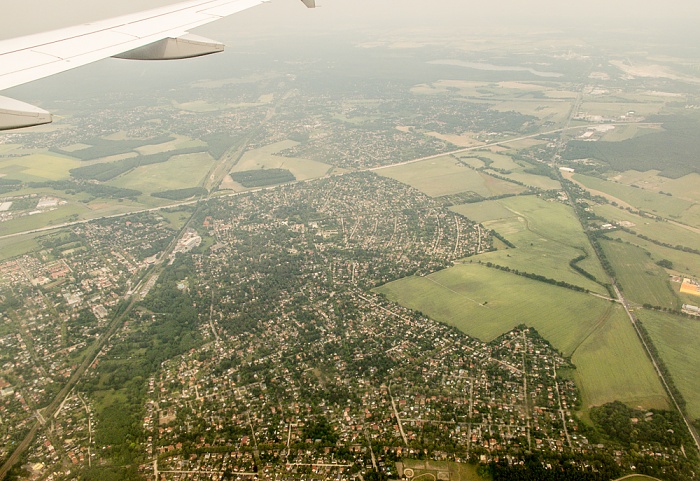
[
  {"x": 178, "y": 173},
  {"x": 446, "y": 176},
  {"x": 485, "y": 211},
  {"x": 684, "y": 263},
  {"x": 265, "y": 158},
  {"x": 499, "y": 161},
  {"x": 677, "y": 340},
  {"x": 38, "y": 167},
  {"x": 533, "y": 180},
  {"x": 642, "y": 280},
  {"x": 686, "y": 187},
  {"x": 547, "y": 236},
  {"x": 555, "y": 111},
  {"x": 665, "y": 232},
  {"x": 612, "y": 365},
  {"x": 645, "y": 200},
  {"x": 617, "y": 108},
  {"x": 485, "y": 303},
  {"x": 629, "y": 131},
  {"x": 180, "y": 142},
  {"x": 17, "y": 246}
]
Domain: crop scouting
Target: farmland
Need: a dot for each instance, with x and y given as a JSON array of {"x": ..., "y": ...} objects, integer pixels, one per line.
[
  {"x": 677, "y": 339},
  {"x": 611, "y": 365},
  {"x": 642, "y": 199},
  {"x": 642, "y": 280},
  {"x": 547, "y": 237},
  {"x": 37, "y": 167},
  {"x": 485, "y": 303},
  {"x": 684, "y": 263},
  {"x": 265, "y": 158},
  {"x": 179, "y": 172},
  {"x": 665, "y": 232},
  {"x": 685, "y": 188},
  {"x": 446, "y": 176}
]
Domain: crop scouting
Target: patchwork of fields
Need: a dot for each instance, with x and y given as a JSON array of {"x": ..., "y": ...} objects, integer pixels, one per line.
[
  {"x": 677, "y": 340},
  {"x": 485, "y": 303}
]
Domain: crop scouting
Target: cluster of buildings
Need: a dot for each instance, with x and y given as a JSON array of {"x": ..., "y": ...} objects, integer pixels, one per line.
[{"x": 57, "y": 302}]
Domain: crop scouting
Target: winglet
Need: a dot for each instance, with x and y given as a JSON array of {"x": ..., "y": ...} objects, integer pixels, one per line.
[{"x": 310, "y": 3}]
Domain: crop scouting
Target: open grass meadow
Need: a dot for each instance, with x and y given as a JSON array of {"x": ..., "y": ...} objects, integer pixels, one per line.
[
  {"x": 684, "y": 263},
  {"x": 488, "y": 210},
  {"x": 447, "y": 176},
  {"x": 665, "y": 232},
  {"x": 677, "y": 339},
  {"x": 38, "y": 167},
  {"x": 628, "y": 131},
  {"x": 611, "y": 365},
  {"x": 485, "y": 303},
  {"x": 179, "y": 172},
  {"x": 685, "y": 188},
  {"x": 44, "y": 219},
  {"x": 547, "y": 236},
  {"x": 642, "y": 280},
  {"x": 265, "y": 158},
  {"x": 646, "y": 200},
  {"x": 179, "y": 142},
  {"x": 17, "y": 246},
  {"x": 555, "y": 111},
  {"x": 615, "y": 108}
]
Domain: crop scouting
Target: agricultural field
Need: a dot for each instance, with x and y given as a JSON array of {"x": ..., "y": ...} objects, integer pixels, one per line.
[
  {"x": 488, "y": 210},
  {"x": 661, "y": 231},
  {"x": 612, "y": 365},
  {"x": 179, "y": 172},
  {"x": 265, "y": 158},
  {"x": 685, "y": 188},
  {"x": 49, "y": 218},
  {"x": 684, "y": 263},
  {"x": 629, "y": 131},
  {"x": 17, "y": 246},
  {"x": 547, "y": 237},
  {"x": 485, "y": 303},
  {"x": 677, "y": 339},
  {"x": 38, "y": 167},
  {"x": 446, "y": 176},
  {"x": 533, "y": 180},
  {"x": 553, "y": 111},
  {"x": 495, "y": 90},
  {"x": 594, "y": 106},
  {"x": 180, "y": 142},
  {"x": 645, "y": 200},
  {"x": 642, "y": 280},
  {"x": 476, "y": 159},
  {"x": 498, "y": 161}
]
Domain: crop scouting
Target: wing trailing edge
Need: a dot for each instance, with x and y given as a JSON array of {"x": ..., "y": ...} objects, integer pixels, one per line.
[{"x": 158, "y": 34}]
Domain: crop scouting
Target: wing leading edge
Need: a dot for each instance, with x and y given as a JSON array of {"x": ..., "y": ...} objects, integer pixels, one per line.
[{"x": 158, "y": 34}]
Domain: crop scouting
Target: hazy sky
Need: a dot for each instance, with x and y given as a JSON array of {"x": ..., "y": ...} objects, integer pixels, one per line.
[
  {"x": 644, "y": 21},
  {"x": 291, "y": 17}
]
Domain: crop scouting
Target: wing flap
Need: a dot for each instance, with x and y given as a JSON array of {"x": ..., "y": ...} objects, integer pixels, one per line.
[{"x": 29, "y": 58}]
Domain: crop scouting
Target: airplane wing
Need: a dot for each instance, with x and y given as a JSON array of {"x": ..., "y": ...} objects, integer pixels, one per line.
[{"x": 158, "y": 34}]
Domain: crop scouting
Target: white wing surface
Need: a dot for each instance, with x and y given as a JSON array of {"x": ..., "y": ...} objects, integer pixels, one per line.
[{"x": 158, "y": 34}]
